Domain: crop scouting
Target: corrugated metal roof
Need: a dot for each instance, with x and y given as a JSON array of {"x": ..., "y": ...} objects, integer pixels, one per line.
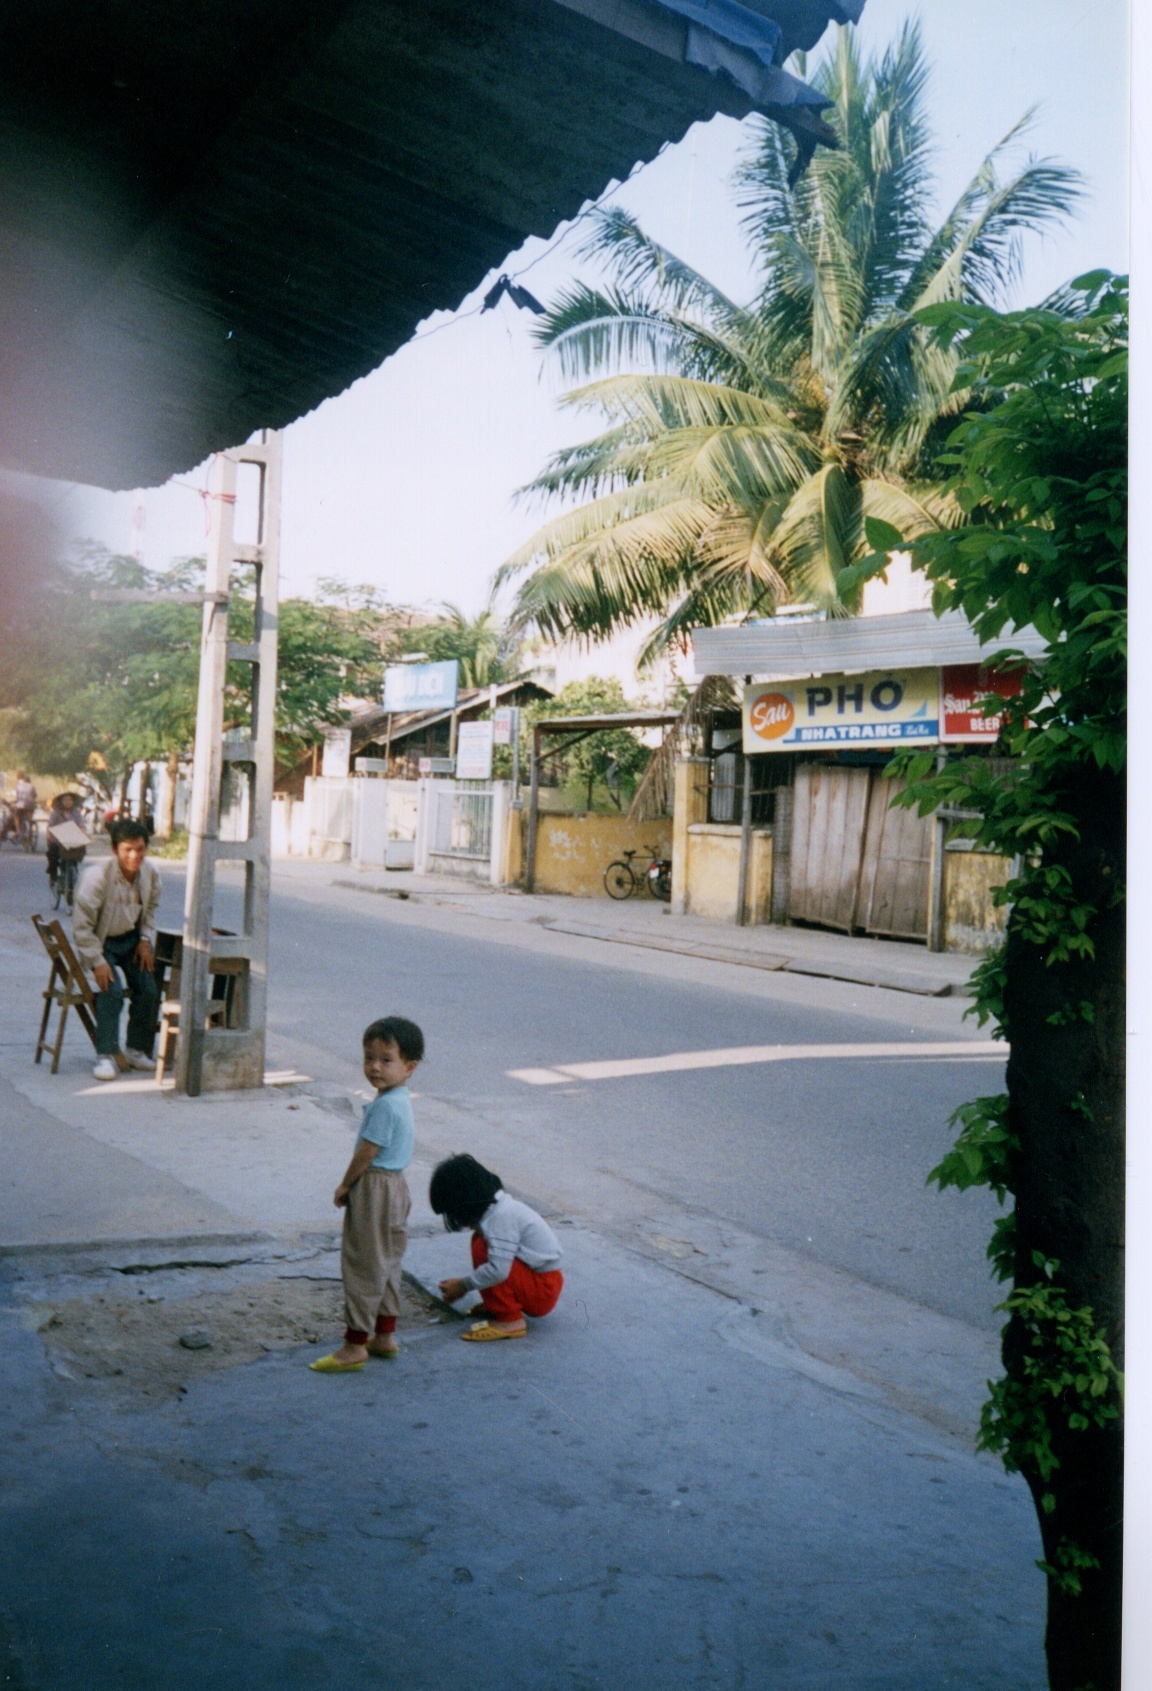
[
  {"x": 787, "y": 649},
  {"x": 215, "y": 216},
  {"x": 609, "y": 719}
]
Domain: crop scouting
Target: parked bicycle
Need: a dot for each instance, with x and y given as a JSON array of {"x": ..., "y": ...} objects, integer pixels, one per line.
[{"x": 622, "y": 878}]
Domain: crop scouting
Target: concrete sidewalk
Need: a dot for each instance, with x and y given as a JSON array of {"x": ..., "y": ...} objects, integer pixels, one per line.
[
  {"x": 644, "y": 922},
  {"x": 720, "y": 1464}
]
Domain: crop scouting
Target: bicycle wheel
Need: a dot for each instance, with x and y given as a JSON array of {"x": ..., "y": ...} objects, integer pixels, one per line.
[
  {"x": 70, "y": 870},
  {"x": 29, "y": 840},
  {"x": 619, "y": 881},
  {"x": 56, "y": 884}
]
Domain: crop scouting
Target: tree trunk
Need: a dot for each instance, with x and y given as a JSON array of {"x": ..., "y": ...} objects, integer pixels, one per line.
[
  {"x": 166, "y": 822},
  {"x": 1066, "y": 1090}
]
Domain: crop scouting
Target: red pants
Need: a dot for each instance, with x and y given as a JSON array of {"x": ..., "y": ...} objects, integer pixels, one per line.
[{"x": 525, "y": 1292}]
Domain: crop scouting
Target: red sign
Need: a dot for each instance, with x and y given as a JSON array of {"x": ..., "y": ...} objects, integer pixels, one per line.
[{"x": 963, "y": 688}]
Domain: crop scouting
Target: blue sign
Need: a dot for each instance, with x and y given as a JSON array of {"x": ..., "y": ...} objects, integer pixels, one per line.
[{"x": 421, "y": 686}]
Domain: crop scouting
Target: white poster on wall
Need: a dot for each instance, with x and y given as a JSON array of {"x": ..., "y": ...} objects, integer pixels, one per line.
[
  {"x": 337, "y": 752},
  {"x": 474, "y": 751}
]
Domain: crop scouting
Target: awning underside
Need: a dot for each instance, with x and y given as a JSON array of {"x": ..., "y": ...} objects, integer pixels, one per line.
[{"x": 213, "y": 216}]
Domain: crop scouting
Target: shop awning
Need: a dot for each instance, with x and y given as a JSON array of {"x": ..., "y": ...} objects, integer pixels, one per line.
[
  {"x": 215, "y": 216},
  {"x": 787, "y": 648}
]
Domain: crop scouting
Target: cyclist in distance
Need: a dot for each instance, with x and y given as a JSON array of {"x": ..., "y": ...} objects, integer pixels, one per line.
[
  {"x": 25, "y": 802},
  {"x": 65, "y": 808}
]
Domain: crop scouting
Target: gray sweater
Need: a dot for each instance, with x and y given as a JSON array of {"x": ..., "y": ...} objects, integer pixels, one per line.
[{"x": 512, "y": 1230}]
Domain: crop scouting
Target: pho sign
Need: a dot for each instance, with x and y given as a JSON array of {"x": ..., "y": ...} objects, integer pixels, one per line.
[
  {"x": 420, "y": 686},
  {"x": 881, "y": 708}
]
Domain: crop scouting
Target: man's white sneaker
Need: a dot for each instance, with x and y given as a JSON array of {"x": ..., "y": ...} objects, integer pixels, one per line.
[
  {"x": 106, "y": 1069},
  {"x": 140, "y": 1059}
]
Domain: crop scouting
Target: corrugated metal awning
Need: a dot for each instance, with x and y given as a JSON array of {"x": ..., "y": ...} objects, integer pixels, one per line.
[{"x": 786, "y": 649}]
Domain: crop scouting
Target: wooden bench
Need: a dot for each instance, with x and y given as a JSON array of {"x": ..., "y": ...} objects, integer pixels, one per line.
[{"x": 69, "y": 989}]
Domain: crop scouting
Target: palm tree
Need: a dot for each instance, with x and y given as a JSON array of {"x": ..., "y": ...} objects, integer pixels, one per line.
[
  {"x": 486, "y": 649},
  {"x": 747, "y": 446}
]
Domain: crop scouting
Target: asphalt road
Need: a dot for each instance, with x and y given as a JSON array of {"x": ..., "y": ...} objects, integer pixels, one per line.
[
  {"x": 829, "y": 1158},
  {"x": 826, "y": 1157}
]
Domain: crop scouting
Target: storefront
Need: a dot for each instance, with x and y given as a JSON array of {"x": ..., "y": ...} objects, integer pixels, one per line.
[{"x": 823, "y": 707}]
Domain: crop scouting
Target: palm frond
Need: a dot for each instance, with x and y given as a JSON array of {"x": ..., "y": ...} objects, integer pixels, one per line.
[
  {"x": 818, "y": 535},
  {"x": 616, "y": 239}
]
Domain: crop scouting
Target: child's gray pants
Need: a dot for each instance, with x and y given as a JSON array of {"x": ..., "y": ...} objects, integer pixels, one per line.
[{"x": 375, "y": 1234}]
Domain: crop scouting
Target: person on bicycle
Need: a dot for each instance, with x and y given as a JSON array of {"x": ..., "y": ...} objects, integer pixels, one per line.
[
  {"x": 25, "y": 805},
  {"x": 65, "y": 808}
]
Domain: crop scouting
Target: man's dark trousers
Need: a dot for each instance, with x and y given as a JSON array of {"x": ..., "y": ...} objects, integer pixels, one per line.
[{"x": 145, "y": 993}]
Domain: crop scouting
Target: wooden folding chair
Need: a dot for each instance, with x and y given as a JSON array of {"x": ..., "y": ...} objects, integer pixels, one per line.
[{"x": 67, "y": 987}]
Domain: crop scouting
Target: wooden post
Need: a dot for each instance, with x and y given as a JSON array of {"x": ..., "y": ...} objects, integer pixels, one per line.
[
  {"x": 533, "y": 813},
  {"x": 745, "y": 846},
  {"x": 214, "y": 1059},
  {"x": 936, "y": 923}
]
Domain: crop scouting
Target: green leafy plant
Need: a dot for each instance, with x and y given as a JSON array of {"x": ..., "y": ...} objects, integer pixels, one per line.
[{"x": 1039, "y": 466}]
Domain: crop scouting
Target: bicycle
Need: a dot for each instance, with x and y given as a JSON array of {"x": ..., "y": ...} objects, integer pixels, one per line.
[
  {"x": 63, "y": 882},
  {"x": 26, "y": 836},
  {"x": 622, "y": 878}
]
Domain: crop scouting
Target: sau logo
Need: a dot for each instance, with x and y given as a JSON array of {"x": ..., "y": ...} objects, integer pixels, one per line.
[{"x": 771, "y": 715}]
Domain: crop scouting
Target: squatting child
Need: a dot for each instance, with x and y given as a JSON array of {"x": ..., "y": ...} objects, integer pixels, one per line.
[
  {"x": 375, "y": 1199},
  {"x": 515, "y": 1254}
]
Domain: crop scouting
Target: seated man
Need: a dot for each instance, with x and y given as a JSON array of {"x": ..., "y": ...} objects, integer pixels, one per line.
[{"x": 113, "y": 929}]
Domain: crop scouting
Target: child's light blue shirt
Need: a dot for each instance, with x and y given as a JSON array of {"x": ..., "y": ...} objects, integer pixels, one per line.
[{"x": 388, "y": 1123}]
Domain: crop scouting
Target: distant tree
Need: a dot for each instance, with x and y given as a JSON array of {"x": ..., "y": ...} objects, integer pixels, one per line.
[
  {"x": 120, "y": 680},
  {"x": 613, "y": 758},
  {"x": 486, "y": 649}
]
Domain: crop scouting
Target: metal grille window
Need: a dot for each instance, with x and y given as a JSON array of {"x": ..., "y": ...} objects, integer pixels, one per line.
[{"x": 726, "y": 786}]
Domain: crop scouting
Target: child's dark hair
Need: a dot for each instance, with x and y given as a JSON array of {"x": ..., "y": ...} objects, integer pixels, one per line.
[
  {"x": 409, "y": 1039},
  {"x": 461, "y": 1190},
  {"x": 127, "y": 828}
]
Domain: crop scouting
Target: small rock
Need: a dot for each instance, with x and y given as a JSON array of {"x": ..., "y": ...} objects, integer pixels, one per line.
[
  {"x": 196, "y": 1341},
  {"x": 462, "y": 1576}
]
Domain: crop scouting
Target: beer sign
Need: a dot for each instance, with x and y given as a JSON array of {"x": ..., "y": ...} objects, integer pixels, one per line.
[
  {"x": 880, "y": 708},
  {"x": 964, "y": 687}
]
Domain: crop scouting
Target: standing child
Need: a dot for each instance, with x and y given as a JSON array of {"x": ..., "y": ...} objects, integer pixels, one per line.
[
  {"x": 515, "y": 1254},
  {"x": 375, "y": 1199}
]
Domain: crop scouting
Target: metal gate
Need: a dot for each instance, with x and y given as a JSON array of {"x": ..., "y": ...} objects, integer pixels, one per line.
[
  {"x": 461, "y": 819},
  {"x": 856, "y": 863}
]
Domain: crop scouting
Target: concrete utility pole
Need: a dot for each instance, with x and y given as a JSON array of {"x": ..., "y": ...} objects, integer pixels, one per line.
[{"x": 213, "y": 1059}]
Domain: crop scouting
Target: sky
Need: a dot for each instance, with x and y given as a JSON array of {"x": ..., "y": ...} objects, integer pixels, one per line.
[{"x": 408, "y": 480}]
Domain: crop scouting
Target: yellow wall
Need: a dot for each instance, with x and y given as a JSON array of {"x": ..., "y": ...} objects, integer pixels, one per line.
[
  {"x": 689, "y": 805},
  {"x": 713, "y": 872},
  {"x": 572, "y": 852},
  {"x": 971, "y": 921}
]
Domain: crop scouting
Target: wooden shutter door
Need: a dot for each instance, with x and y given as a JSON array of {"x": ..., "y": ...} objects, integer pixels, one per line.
[
  {"x": 829, "y": 815},
  {"x": 895, "y": 881}
]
